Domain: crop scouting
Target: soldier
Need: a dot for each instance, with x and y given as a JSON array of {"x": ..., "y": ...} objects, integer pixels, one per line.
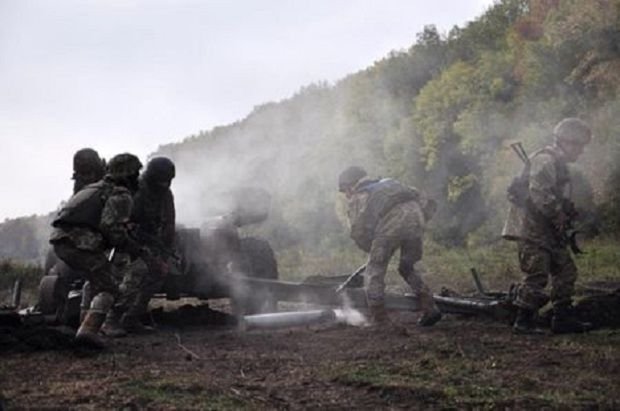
[
  {"x": 386, "y": 215},
  {"x": 93, "y": 221},
  {"x": 88, "y": 168},
  {"x": 541, "y": 212},
  {"x": 153, "y": 221}
]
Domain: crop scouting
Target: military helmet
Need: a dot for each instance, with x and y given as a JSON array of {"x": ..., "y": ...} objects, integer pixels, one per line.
[
  {"x": 350, "y": 176},
  {"x": 159, "y": 169},
  {"x": 86, "y": 161},
  {"x": 124, "y": 165},
  {"x": 573, "y": 130}
]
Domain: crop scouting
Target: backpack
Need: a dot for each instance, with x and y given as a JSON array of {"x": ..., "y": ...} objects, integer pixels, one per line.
[
  {"x": 518, "y": 191},
  {"x": 384, "y": 195}
]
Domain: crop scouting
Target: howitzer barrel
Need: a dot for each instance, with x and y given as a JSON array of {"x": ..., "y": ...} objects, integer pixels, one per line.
[{"x": 287, "y": 319}]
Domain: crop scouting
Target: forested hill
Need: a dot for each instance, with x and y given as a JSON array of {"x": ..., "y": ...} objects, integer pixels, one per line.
[{"x": 440, "y": 115}]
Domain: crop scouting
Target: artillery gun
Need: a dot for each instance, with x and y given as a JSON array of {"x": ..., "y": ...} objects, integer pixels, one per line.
[{"x": 213, "y": 262}]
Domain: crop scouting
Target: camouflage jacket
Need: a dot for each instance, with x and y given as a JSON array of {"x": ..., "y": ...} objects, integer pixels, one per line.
[
  {"x": 96, "y": 218},
  {"x": 402, "y": 214},
  {"x": 549, "y": 191},
  {"x": 154, "y": 213}
]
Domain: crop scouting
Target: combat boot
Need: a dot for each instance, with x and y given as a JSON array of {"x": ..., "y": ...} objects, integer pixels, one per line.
[
  {"x": 430, "y": 312},
  {"x": 112, "y": 326},
  {"x": 133, "y": 324},
  {"x": 88, "y": 333},
  {"x": 564, "y": 320},
  {"x": 378, "y": 316},
  {"x": 525, "y": 323}
]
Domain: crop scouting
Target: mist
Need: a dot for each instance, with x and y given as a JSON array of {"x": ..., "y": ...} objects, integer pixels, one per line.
[{"x": 439, "y": 115}]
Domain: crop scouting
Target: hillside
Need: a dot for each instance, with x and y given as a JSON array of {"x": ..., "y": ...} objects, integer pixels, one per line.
[{"x": 440, "y": 116}]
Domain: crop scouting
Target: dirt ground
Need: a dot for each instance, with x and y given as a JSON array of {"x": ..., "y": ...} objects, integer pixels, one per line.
[{"x": 458, "y": 364}]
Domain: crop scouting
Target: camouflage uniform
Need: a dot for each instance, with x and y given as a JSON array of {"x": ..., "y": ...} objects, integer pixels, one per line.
[
  {"x": 402, "y": 227},
  {"x": 539, "y": 224},
  {"x": 88, "y": 168},
  {"x": 93, "y": 221},
  {"x": 543, "y": 255},
  {"x": 82, "y": 246},
  {"x": 153, "y": 222},
  {"x": 154, "y": 219}
]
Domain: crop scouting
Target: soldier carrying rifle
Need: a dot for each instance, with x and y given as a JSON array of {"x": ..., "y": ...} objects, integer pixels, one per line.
[{"x": 539, "y": 220}]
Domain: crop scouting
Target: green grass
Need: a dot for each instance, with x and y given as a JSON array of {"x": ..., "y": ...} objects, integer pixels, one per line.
[
  {"x": 181, "y": 395},
  {"x": 496, "y": 264},
  {"x": 29, "y": 274},
  {"x": 486, "y": 378}
]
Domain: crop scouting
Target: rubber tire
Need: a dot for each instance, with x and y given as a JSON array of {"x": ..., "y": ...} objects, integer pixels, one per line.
[{"x": 48, "y": 304}]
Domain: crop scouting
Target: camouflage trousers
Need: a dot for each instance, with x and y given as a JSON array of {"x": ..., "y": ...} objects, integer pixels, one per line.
[
  {"x": 401, "y": 228},
  {"x": 141, "y": 279},
  {"x": 410, "y": 267},
  {"x": 539, "y": 266},
  {"x": 93, "y": 264}
]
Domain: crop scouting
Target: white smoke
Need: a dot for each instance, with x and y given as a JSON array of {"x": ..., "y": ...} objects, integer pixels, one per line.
[{"x": 350, "y": 316}]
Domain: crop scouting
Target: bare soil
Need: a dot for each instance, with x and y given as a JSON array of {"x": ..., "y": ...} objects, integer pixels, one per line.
[{"x": 458, "y": 364}]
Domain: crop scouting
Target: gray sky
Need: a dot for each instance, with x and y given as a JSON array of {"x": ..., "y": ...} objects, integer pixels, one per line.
[{"x": 131, "y": 75}]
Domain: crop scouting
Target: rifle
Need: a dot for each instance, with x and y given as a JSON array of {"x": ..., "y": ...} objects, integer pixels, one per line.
[
  {"x": 568, "y": 234},
  {"x": 350, "y": 278},
  {"x": 521, "y": 153}
]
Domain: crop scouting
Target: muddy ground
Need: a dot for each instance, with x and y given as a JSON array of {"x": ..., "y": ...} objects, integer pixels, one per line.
[{"x": 458, "y": 364}]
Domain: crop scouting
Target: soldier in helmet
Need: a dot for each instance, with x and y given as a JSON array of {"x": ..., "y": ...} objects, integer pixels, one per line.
[
  {"x": 153, "y": 221},
  {"x": 88, "y": 168},
  {"x": 386, "y": 215},
  {"x": 539, "y": 222},
  {"x": 90, "y": 224}
]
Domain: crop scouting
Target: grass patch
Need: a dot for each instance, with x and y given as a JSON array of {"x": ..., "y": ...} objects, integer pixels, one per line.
[
  {"x": 444, "y": 383},
  {"x": 490, "y": 376},
  {"x": 160, "y": 393},
  {"x": 30, "y": 275}
]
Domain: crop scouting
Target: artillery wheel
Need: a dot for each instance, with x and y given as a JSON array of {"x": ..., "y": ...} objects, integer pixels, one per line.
[
  {"x": 259, "y": 262},
  {"x": 48, "y": 302}
]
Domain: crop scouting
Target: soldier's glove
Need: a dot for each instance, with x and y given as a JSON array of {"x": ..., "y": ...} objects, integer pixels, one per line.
[
  {"x": 561, "y": 222},
  {"x": 570, "y": 210},
  {"x": 134, "y": 249}
]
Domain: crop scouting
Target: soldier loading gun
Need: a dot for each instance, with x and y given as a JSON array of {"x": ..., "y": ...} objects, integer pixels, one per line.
[{"x": 152, "y": 225}]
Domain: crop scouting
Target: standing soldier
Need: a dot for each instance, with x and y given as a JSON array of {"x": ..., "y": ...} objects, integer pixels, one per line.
[
  {"x": 153, "y": 222},
  {"x": 541, "y": 212},
  {"x": 92, "y": 222},
  {"x": 386, "y": 215}
]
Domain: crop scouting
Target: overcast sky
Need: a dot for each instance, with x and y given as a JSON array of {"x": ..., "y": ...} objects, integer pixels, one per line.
[{"x": 131, "y": 75}]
